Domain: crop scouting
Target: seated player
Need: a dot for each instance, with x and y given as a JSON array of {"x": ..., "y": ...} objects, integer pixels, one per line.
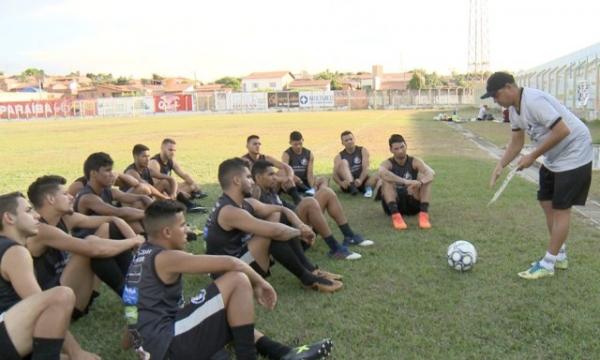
[
  {"x": 164, "y": 162},
  {"x": 33, "y": 323},
  {"x": 97, "y": 196},
  {"x": 285, "y": 175},
  {"x": 62, "y": 259},
  {"x": 310, "y": 211},
  {"x": 406, "y": 188},
  {"x": 121, "y": 180},
  {"x": 166, "y": 188},
  {"x": 239, "y": 226},
  {"x": 302, "y": 160},
  {"x": 223, "y": 312},
  {"x": 351, "y": 168}
]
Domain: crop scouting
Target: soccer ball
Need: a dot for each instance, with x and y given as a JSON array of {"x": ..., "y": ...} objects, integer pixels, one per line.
[{"x": 462, "y": 255}]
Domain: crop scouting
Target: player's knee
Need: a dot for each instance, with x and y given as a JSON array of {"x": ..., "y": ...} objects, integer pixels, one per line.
[
  {"x": 62, "y": 296},
  {"x": 238, "y": 280}
]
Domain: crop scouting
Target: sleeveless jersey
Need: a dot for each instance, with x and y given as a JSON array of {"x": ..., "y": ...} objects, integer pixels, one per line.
[
  {"x": 354, "y": 160},
  {"x": 144, "y": 175},
  {"x": 299, "y": 162},
  {"x": 250, "y": 161},
  {"x": 405, "y": 171},
  {"x": 164, "y": 168},
  {"x": 150, "y": 304},
  {"x": 105, "y": 195},
  {"x": 49, "y": 266},
  {"x": 220, "y": 241},
  {"x": 8, "y": 295}
]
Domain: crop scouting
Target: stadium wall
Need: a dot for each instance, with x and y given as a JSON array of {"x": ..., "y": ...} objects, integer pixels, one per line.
[{"x": 237, "y": 102}]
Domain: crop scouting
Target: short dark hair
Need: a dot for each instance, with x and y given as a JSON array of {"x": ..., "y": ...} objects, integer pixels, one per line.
[
  {"x": 230, "y": 168},
  {"x": 42, "y": 186},
  {"x": 95, "y": 161},
  {"x": 9, "y": 204},
  {"x": 160, "y": 214},
  {"x": 344, "y": 133},
  {"x": 396, "y": 138},
  {"x": 295, "y": 136},
  {"x": 139, "y": 148},
  {"x": 168, "y": 141},
  {"x": 260, "y": 167},
  {"x": 251, "y": 137}
]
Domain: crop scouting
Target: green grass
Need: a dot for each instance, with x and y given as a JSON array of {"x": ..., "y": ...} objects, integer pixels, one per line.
[
  {"x": 401, "y": 301},
  {"x": 499, "y": 135}
]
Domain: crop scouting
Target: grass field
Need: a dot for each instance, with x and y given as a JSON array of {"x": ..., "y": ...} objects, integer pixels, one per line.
[{"x": 401, "y": 301}]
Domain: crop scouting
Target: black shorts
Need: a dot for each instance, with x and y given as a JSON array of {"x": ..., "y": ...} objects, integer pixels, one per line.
[
  {"x": 566, "y": 188},
  {"x": 9, "y": 352},
  {"x": 201, "y": 327},
  {"x": 407, "y": 205}
]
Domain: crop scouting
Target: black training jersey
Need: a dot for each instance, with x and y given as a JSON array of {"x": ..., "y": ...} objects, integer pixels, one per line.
[
  {"x": 354, "y": 160},
  {"x": 105, "y": 195},
  {"x": 222, "y": 242},
  {"x": 250, "y": 161},
  {"x": 405, "y": 171},
  {"x": 8, "y": 295},
  {"x": 299, "y": 162},
  {"x": 150, "y": 304},
  {"x": 144, "y": 175},
  {"x": 50, "y": 265},
  {"x": 164, "y": 168}
]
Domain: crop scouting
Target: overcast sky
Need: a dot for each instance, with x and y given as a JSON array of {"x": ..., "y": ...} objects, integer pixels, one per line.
[{"x": 235, "y": 37}]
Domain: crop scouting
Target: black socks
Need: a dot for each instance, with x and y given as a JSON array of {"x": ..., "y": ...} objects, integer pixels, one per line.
[
  {"x": 46, "y": 349},
  {"x": 271, "y": 349},
  {"x": 243, "y": 342},
  {"x": 393, "y": 207},
  {"x": 424, "y": 206},
  {"x": 345, "y": 229}
]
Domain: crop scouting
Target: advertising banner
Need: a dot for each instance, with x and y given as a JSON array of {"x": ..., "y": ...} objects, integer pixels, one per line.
[
  {"x": 31, "y": 109},
  {"x": 173, "y": 103},
  {"x": 317, "y": 99},
  {"x": 125, "y": 106}
]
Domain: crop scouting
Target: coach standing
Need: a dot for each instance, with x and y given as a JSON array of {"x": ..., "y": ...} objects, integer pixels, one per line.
[{"x": 566, "y": 173}]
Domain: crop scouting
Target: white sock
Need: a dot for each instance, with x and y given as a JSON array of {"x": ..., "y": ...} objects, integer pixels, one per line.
[
  {"x": 562, "y": 253},
  {"x": 548, "y": 261}
]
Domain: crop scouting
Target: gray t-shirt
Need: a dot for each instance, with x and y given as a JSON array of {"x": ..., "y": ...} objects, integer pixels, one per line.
[{"x": 539, "y": 113}]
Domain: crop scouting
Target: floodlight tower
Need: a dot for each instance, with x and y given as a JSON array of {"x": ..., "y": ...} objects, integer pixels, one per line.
[{"x": 479, "y": 51}]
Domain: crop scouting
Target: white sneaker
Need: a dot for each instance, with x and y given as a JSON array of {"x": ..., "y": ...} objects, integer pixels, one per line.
[
  {"x": 368, "y": 192},
  {"x": 310, "y": 192}
]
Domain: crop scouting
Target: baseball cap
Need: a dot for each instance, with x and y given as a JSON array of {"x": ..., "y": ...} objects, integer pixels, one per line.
[{"x": 496, "y": 82}]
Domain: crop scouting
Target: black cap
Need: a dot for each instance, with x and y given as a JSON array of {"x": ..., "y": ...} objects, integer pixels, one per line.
[{"x": 496, "y": 82}]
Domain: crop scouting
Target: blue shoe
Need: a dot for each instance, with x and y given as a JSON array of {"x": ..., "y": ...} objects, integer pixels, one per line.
[
  {"x": 357, "y": 239},
  {"x": 342, "y": 253}
]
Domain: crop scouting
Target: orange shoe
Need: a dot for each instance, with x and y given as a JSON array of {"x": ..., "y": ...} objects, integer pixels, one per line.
[
  {"x": 398, "y": 222},
  {"x": 424, "y": 220}
]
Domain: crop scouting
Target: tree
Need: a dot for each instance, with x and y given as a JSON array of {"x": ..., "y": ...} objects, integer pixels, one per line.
[
  {"x": 100, "y": 78},
  {"x": 230, "y": 82},
  {"x": 418, "y": 80},
  {"x": 157, "y": 77},
  {"x": 121, "y": 80},
  {"x": 334, "y": 77},
  {"x": 37, "y": 73}
]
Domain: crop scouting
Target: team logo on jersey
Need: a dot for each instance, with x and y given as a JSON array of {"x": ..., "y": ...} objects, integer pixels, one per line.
[
  {"x": 130, "y": 295},
  {"x": 407, "y": 175},
  {"x": 356, "y": 160},
  {"x": 304, "y": 162},
  {"x": 199, "y": 299}
]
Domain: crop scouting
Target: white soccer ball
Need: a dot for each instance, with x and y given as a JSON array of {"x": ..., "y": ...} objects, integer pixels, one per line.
[{"x": 462, "y": 255}]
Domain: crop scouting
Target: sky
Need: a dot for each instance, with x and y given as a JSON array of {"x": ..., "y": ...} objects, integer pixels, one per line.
[{"x": 211, "y": 39}]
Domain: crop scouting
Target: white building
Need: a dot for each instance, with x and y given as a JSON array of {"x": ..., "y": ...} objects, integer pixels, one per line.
[
  {"x": 272, "y": 81},
  {"x": 573, "y": 79}
]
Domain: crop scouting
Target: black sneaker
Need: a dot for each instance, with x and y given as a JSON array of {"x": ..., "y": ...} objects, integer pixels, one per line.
[
  {"x": 198, "y": 195},
  {"x": 197, "y": 209},
  {"x": 318, "y": 350},
  {"x": 353, "y": 190}
]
